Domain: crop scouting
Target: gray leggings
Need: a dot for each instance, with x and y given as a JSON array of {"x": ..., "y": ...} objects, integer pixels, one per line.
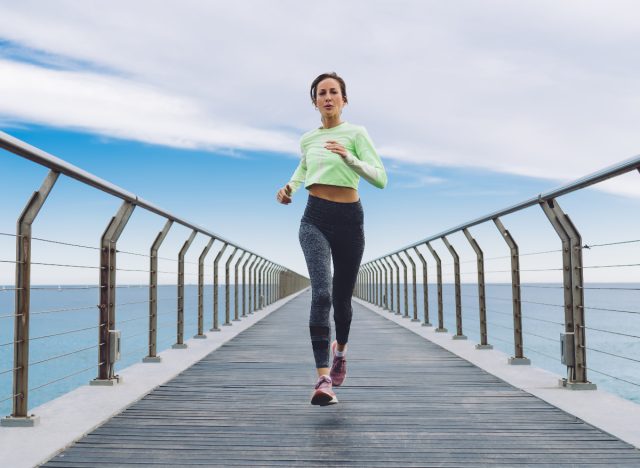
[{"x": 331, "y": 230}]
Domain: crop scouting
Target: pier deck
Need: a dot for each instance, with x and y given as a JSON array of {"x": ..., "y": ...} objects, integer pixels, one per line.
[{"x": 406, "y": 402}]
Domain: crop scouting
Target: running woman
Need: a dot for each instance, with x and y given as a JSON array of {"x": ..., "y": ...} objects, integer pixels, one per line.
[{"x": 334, "y": 157}]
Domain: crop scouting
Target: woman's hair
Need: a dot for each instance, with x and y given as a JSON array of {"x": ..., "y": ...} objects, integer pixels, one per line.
[{"x": 324, "y": 76}]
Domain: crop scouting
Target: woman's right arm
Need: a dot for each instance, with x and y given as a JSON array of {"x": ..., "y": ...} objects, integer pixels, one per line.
[{"x": 297, "y": 179}]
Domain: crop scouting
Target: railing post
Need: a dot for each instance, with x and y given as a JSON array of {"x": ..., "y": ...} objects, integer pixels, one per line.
[
  {"x": 386, "y": 259},
  {"x": 272, "y": 282},
  {"x": 180, "y": 344},
  {"x": 482, "y": 305},
  {"x": 376, "y": 265},
  {"x": 216, "y": 324},
  {"x": 370, "y": 281},
  {"x": 406, "y": 288},
  {"x": 203, "y": 255},
  {"x": 261, "y": 284},
  {"x": 518, "y": 358},
  {"x": 19, "y": 416},
  {"x": 376, "y": 279},
  {"x": 255, "y": 285},
  {"x": 108, "y": 293},
  {"x": 425, "y": 288},
  {"x": 244, "y": 282},
  {"x": 227, "y": 279},
  {"x": 153, "y": 294},
  {"x": 383, "y": 295},
  {"x": 573, "y": 295},
  {"x": 236, "y": 316},
  {"x": 441, "y": 328},
  {"x": 269, "y": 289},
  {"x": 397, "y": 284},
  {"x": 415, "y": 300},
  {"x": 456, "y": 270},
  {"x": 252, "y": 275}
]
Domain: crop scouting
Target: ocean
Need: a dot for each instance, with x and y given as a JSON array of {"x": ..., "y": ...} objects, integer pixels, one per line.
[{"x": 64, "y": 355}]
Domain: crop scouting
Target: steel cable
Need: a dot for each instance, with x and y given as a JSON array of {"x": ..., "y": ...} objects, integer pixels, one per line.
[
  {"x": 11, "y": 397},
  {"x": 610, "y": 289},
  {"x": 611, "y": 332},
  {"x": 66, "y": 266},
  {"x": 540, "y": 336},
  {"x": 66, "y": 354},
  {"x": 71, "y": 309},
  {"x": 10, "y": 370},
  {"x": 65, "y": 377},
  {"x": 66, "y": 332},
  {"x": 66, "y": 243},
  {"x": 613, "y": 266},
  {"x": 613, "y": 377},
  {"x": 590, "y": 246},
  {"x": 612, "y": 354},
  {"x": 9, "y": 343},
  {"x": 529, "y": 348},
  {"x": 613, "y": 310}
]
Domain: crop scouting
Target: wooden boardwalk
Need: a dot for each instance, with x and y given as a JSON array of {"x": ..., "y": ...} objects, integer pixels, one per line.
[{"x": 406, "y": 402}]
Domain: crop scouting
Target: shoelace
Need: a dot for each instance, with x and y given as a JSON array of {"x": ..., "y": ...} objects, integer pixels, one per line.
[
  {"x": 337, "y": 364},
  {"x": 321, "y": 381}
]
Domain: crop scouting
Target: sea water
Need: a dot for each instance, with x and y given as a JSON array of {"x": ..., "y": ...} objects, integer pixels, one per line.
[{"x": 61, "y": 362}]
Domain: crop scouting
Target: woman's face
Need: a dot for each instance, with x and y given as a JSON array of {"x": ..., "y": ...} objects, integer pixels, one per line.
[{"x": 329, "y": 99}]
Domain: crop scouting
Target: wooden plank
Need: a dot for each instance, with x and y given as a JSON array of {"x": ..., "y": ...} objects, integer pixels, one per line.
[{"x": 406, "y": 402}]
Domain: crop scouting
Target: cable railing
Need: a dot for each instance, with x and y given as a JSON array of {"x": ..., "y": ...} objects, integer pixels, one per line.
[
  {"x": 260, "y": 280},
  {"x": 390, "y": 281}
]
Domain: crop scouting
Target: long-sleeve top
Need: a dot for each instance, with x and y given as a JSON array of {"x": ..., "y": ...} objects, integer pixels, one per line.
[{"x": 321, "y": 166}]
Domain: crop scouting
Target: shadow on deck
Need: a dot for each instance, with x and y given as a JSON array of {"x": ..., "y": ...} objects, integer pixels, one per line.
[{"x": 406, "y": 402}]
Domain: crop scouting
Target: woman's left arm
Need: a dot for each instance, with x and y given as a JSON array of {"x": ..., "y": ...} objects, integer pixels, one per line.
[{"x": 366, "y": 163}]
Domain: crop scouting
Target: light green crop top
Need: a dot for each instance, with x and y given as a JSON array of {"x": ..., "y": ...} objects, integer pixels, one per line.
[{"x": 320, "y": 166}]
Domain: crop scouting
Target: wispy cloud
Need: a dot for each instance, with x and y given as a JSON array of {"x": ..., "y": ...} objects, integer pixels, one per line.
[{"x": 535, "y": 88}]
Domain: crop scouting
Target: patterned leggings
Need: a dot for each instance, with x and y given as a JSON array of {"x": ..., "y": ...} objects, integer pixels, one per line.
[{"x": 331, "y": 230}]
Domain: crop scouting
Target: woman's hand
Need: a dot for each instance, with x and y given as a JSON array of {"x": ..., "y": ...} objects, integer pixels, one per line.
[
  {"x": 284, "y": 195},
  {"x": 337, "y": 148}
]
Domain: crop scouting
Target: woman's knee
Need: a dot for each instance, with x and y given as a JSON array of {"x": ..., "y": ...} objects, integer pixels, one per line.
[{"x": 321, "y": 298}]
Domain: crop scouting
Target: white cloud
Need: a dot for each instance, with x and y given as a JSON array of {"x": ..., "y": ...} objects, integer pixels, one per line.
[{"x": 544, "y": 89}]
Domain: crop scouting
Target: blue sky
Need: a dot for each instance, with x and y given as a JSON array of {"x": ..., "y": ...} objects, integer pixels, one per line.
[{"x": 468, "y": 116}]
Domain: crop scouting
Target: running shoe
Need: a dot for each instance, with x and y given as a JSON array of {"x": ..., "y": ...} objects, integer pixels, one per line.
[
  {"x": 323, "y": 394},
  {"x": 338, "y": 372}
]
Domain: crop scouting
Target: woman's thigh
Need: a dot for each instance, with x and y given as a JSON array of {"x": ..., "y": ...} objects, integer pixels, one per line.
[
  {"x": 317, "y": 254},
  {"x": 347, "y": 248}
]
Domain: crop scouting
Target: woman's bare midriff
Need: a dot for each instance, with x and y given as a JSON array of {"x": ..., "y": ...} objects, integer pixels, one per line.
[{"x": 334, "y": 193}]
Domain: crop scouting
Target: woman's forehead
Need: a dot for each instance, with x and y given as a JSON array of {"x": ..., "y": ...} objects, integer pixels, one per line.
[{"x": 329, "y": 83}]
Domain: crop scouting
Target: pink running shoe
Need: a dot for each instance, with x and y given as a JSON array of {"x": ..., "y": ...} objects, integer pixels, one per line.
[
  {"x": 323, "y": 394},
  {"x": 338, "y": 372}
]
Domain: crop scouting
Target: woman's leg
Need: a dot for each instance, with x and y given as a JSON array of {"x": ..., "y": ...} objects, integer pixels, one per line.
[
  {"x": 347, "y": 247},
  {"x": 317, "y": 254}
]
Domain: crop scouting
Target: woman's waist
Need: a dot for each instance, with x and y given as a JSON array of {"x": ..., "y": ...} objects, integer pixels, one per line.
[{"x": 334, "y": 193}]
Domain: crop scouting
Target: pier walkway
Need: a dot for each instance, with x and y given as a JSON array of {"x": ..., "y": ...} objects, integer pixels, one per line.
[{"x": 406, "y": 402}]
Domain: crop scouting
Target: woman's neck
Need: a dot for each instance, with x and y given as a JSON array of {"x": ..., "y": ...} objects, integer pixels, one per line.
[{"x": 331, "y": 122}]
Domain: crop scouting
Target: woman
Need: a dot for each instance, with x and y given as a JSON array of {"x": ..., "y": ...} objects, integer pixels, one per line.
[{"x": 334, "y": 156}]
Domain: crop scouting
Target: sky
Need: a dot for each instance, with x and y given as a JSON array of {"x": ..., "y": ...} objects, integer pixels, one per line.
[{"x": 198, "y": 107}]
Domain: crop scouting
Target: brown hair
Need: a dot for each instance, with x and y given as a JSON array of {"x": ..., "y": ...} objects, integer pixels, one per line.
[{"x": 324, "y": 76}]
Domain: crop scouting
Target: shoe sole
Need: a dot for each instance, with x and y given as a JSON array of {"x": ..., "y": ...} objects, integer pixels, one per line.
[{"x": 323, "y": 399}]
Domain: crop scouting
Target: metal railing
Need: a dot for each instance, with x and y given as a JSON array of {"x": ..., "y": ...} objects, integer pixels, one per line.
[
  {"x": 375, "y": 284},
  {"x": 270, "y": 281}
]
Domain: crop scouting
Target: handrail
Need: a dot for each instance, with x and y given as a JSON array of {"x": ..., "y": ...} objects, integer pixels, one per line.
[
  {"x": 56, "y": 164},
  {"x": 583, "y": 182}
]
